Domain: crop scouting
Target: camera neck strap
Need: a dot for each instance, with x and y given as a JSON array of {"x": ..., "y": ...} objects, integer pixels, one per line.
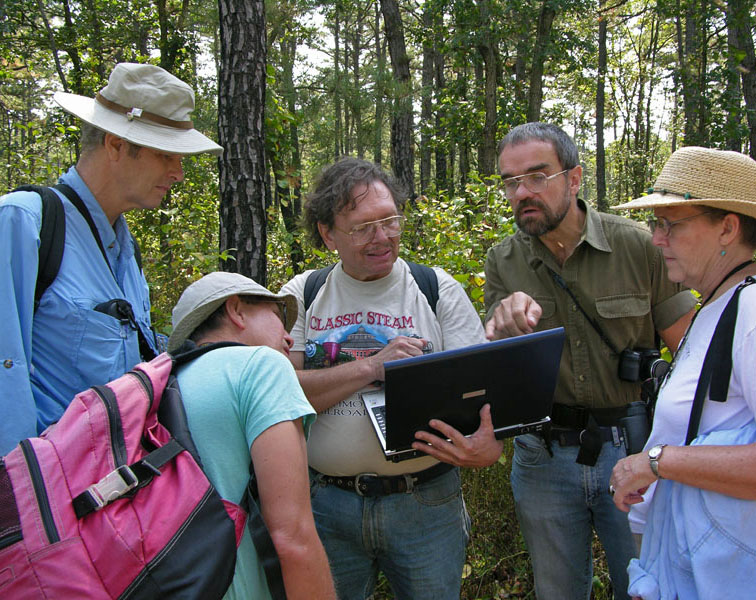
[{"x": 563, "y": 284}]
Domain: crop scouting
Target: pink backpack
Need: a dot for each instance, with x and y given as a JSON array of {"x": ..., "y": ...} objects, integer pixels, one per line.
[{"x": 112, "y": 501}]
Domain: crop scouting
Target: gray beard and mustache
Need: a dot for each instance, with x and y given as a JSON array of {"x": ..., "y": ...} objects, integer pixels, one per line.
[{"x": 547, "y": 221}]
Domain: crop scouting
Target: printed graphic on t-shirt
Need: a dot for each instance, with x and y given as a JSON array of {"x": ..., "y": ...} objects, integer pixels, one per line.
[{"x": 353, "y": 336}]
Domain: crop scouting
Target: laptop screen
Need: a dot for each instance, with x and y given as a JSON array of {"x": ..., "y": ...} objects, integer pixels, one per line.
[{"x": 516, "y": 376}]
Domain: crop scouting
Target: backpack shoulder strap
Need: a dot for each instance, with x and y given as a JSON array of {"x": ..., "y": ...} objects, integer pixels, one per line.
[
  {"x": 173, "y": 416},
  {"x": 424, "y": 276},
  {"x": 315, "y": 281},
  {"x": 427, "y": 281},
  {"x": 266, "y": 551},
  {"x": 52, "y": 237},
  {"x": 717, "y": 365}
]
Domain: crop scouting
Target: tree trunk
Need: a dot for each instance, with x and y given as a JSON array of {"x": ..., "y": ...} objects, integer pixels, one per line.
[
  {"x": 540, "y": 51},
  {"x": 687, "y": 51},
  {"x": 357, "y": 106},
  {"x": 338, "y": 149},
  {"x": 241, "y": 109},
  {"x": 443, "y": 182},
  {"x": 402, "y": 151},
  {"x": 487, "y": 49},
  {"x": 601, "y": 202},
  {"x": 742, "y": 26},
  {"x": 426, "y": 99},
  {"x": 292, "y": 208},
  {"x": 380, "y": 51}
]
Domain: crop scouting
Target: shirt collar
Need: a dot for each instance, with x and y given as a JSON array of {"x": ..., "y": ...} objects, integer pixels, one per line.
[
  {"x": 108, "y": 234},
  {"x": 593, "y": 234}
]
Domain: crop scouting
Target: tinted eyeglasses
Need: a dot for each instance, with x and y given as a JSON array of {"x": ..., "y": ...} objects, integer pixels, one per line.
[
  {"x": 364, "y": 233},
  {"x": 535, "y": 182},
  {"x": 665, "y": 225}
]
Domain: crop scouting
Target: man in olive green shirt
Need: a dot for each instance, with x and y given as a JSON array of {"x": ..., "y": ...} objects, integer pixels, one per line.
[{"x": 617, "y": 279}]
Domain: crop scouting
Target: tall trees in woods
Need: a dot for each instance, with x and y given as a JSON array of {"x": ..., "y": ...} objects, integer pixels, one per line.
[
  {"x": 241, "y": 108},
  {"x": 402, "y": 119},
  {"x": 297, "y": 83}
]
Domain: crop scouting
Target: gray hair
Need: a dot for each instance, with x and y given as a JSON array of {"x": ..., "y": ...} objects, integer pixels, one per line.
[
  {"x": 564, "y": 146},
  {"x": 92, "y": 138},
  {"x": 333, "y": 192}
]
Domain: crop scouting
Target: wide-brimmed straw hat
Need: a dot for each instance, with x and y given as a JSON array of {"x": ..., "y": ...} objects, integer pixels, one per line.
[
  {"x": 205, "y": 295},
  {"x": 693, "y": 175},
  {"x": 144, "y": 105}
]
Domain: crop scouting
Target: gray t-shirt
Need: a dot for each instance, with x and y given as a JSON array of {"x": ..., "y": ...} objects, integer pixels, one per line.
[{"x": 350, "y": 320}]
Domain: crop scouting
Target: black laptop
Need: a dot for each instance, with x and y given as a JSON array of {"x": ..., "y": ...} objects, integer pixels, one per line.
[{"x": 516, "y": 376}]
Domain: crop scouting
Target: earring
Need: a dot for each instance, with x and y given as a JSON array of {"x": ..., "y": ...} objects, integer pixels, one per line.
[{"x": 723, "y": 253}]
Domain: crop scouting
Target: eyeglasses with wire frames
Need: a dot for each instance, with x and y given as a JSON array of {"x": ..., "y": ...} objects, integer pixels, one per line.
[
  {"x": 664, "y": 225},
  {"x": 534, "y": 182},
  {"x": 364, "y": 233}
]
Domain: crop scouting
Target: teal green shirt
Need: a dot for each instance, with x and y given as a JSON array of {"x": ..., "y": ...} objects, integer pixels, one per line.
[{"x": 231, "y": 396}]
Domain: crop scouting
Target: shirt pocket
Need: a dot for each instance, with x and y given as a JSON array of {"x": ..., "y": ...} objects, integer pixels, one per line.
[
  {"x": 102, "y": 346},
  {"x": 623, "y": 306},
  {"x": 548, "y": 318}
]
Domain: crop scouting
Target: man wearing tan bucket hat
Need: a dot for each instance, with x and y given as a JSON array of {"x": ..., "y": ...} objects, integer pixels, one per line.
[{"x": 92, "y": 323}]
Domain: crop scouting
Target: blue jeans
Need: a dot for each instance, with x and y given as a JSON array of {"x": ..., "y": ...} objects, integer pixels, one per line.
[
  {"x": 558, "y": 503},
  {"x": 417, "y": 539}
]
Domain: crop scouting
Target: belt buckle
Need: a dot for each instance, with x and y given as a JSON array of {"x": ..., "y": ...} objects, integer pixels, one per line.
[{"x": 357, "y": 481}]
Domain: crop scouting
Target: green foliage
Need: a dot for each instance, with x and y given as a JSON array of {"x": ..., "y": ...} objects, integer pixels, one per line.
[
  {"x": 455, "y": 233},
  {"x": 179, "y": 240}
]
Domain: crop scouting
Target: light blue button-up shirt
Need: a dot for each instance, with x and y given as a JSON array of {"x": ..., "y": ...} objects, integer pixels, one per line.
[{"x": 47, "y": 357}]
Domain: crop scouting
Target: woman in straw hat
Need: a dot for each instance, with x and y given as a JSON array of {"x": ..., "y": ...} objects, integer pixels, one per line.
[{"x": 699, "y": 523}]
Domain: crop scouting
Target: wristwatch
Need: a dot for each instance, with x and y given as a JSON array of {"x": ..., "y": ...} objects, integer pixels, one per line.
[{"x": 654, "y": 454}]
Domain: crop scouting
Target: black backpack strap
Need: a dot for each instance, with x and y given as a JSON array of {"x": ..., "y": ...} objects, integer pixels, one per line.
[
  {"x": 266, "y": 551},
  {"x": 427, "y": 281},
  {"x": 315, "y": 281},
  {"x": 145, "y": 349},
  {"x": 717, "y": 365},
  {"x": 52, "y": 237},
  {"x": 424, "y": 276}
]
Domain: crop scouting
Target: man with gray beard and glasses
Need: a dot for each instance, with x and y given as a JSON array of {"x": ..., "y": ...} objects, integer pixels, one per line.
[{"x": 586, "y": 271}]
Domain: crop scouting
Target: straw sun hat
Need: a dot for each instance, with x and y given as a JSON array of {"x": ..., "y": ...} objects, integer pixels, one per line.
[
  {"x": 144, "y": 105},
  {"x": 694, "y": 175},
  {"x": 205, "y": 295}
]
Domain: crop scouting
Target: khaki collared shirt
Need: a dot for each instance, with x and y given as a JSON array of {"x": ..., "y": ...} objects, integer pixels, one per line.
[{"x": 620, "y": 280}]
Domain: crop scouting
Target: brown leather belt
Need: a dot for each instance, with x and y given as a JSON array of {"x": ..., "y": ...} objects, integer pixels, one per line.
[{"x": 371, "y": 484}]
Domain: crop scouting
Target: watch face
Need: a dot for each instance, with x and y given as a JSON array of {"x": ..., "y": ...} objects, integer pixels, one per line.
[{"x": 655, "y": 452}]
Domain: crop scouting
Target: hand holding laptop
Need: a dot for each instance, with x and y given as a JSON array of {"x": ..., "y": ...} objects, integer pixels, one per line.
[{"x": 480, "y": 449}]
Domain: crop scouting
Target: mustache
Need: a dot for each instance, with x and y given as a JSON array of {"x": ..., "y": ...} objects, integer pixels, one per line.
[{"x": 530, "y": 203}]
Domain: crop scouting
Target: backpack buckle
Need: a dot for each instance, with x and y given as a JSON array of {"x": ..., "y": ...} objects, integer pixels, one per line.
[{"x": 114, "y": 485}]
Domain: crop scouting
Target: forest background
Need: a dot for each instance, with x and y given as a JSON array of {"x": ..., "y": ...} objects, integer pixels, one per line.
[{"x": 426, "y": 88}]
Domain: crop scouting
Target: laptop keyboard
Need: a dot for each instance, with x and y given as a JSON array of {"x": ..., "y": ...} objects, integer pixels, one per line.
[{"x": 380, "y": 417}]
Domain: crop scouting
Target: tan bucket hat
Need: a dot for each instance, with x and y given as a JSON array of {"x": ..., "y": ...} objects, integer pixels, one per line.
[
  {"x": 205, "y": 295},
  {"x": 144, "y": 105},
  {"x": 693, "y": 175}
]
